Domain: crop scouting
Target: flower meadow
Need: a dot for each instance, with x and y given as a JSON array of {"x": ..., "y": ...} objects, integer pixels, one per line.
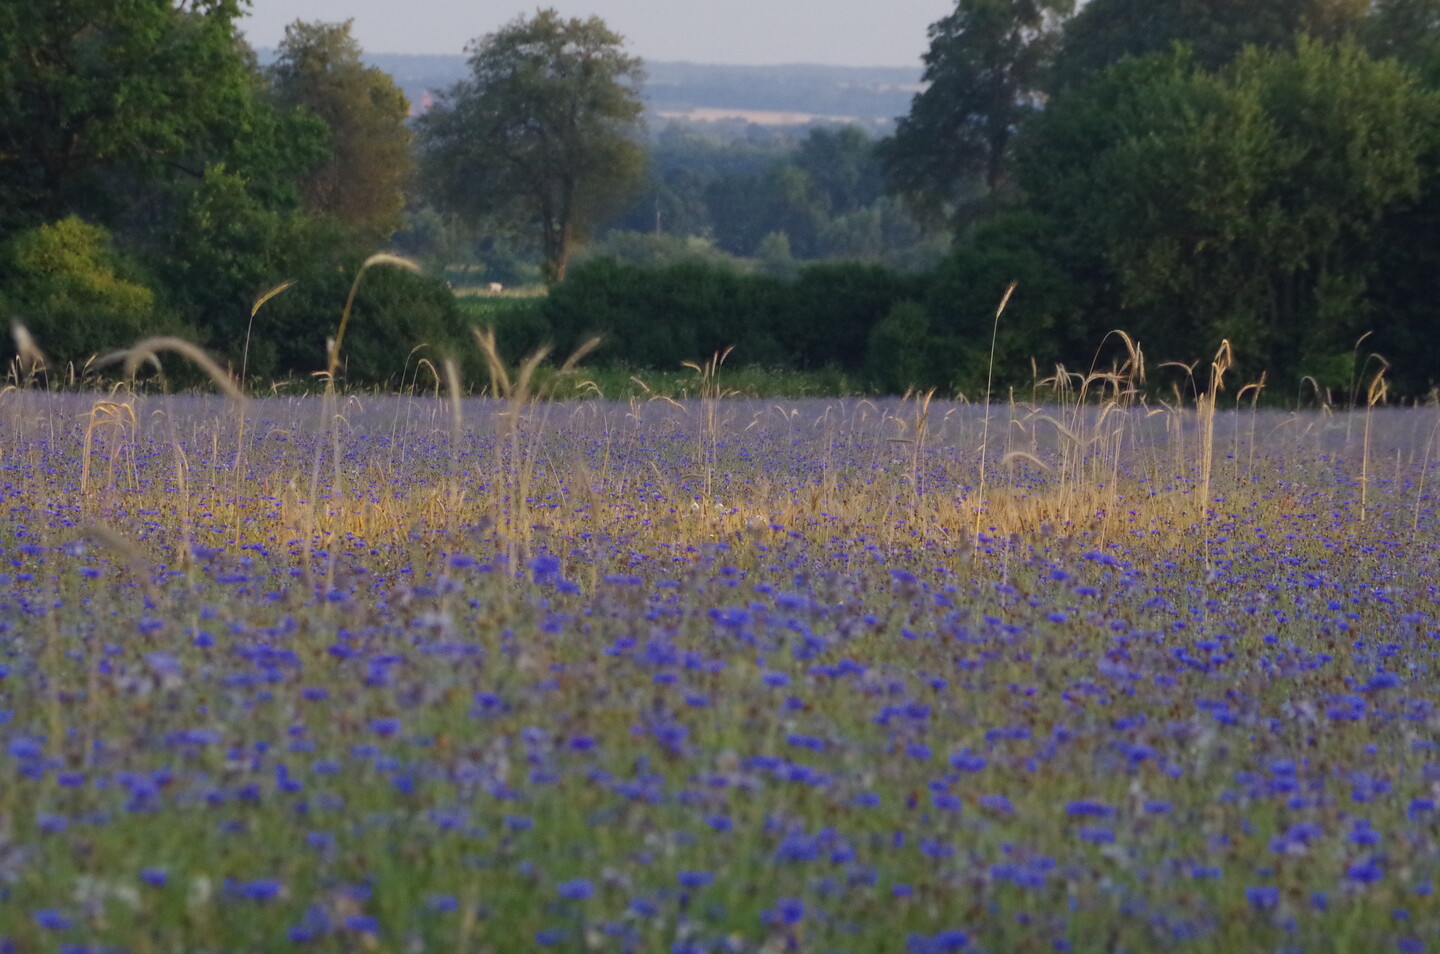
[{"x": 415, "y": 673}]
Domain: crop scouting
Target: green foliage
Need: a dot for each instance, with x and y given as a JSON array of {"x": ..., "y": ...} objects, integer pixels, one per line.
[
  {"x": 361, "y": 183},
  {"x": 227, "y": 248},
  {"x": 77, "y": 296},
  {"x": 1408, "y": 30},
  {"x": 657, "y": 250},
  {"x": 832, "y": 307},
  {"x": 105, "y": 102},
  {"x": 983, "y": 69},
  {"x": 395, "y": 312},
  {"x": 520, "y": 323},
  {"x": 1406, "y": 286},
  {"x": 542, "y": 136},
  {"x": 843, "y": 166},
  {"x": 1044, "y": 322},
  {"x": 1104, "y": 32},
  {"x": 658, "y": 318},
  {"x": 899, "y": 355},
  {"x": 1241, "y": 204}
]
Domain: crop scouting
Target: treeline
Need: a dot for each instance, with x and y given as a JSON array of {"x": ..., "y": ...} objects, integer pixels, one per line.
[
  {"x": 780, "y": 200},
  {"x": 1185, "y": 172},
  {"x": 154, "y": 179},
  {"x": 887, "y": 329},
  {"x": 1193, "y": 172},
  {"x": 1188, "y": 171}
]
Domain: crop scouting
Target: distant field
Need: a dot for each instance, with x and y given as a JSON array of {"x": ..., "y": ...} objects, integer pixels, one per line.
[
  {"x": 760, "y": 117},
  {"x": 715, "y": 675}
]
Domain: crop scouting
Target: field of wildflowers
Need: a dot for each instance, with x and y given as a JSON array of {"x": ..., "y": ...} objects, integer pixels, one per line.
[{"x": 720, "y": 675}]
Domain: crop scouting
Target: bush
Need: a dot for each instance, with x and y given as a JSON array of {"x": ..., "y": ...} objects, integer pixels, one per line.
[
  {"x": 658, "y": 318},
  {"x": 77, "y": 296},
  {"x": 832, "y": 308},
  {"x": 395, "y": 312},
  {"x": 898, "y": 353},
  {"x": 520, "y": 323},
  {"x": 1044, "y": 319}
]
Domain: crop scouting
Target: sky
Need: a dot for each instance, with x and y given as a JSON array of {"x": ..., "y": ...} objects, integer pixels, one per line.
[{"x": 740, "y": 32}]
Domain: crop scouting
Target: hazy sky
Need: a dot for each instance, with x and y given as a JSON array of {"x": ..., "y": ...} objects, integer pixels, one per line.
[{"x": 838, "y": 32}]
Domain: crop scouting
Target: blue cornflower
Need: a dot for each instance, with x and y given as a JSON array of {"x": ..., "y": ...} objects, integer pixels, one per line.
[
  {"x": 997, "y": 803},
  {"x": 967, "y": 762},
  {"x": 261, "y": 889},
  {"x": 1365, "y": 872},
  {"x": 576, "y": 890},
  {"x": 362, "y": 923},
  {"x": 695, "y": 879},
  {"x": 545, "y": 567},
  {"x": 26, "y": 747},
  {"x": 1262, "y": 897},
  {"x": 155, "y": 877},
  {"x": 643, "y": 907},
  {"x": 51, "y": 920},
  {"x": 442, "y": 903},
  {"x": 789, "y": 911},
  {"x": 1085, "y": 808}
]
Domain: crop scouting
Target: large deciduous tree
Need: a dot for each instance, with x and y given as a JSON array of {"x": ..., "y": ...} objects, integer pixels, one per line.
[
  {"x": 1104, "y": 32},
  {"x": 1242, "y": 203},
  {"x": 542, "y": 137},
  {"x": 363, "y": 180},
  {"x": 983, "y": 71},
  {"x": 95, "y": 90}
]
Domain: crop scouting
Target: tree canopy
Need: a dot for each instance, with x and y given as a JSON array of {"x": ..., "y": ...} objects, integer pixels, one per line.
[
  {"x": 1104, "y": 32},
  {"x": 984, "y": 69},
  {"x": 362, "y": 180},
  {"x": 542, "y": 137},
  {"x": 1239, "y": 204},
  {"x": 94, "y": 88}
]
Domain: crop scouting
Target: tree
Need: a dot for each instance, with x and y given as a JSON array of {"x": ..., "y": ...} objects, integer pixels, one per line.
[
  {"x": 1241, "y": 204},
  {"x": 843, "y": 166},
  {"x": 1105, "y": 31},
  {"x": 67, "y": 284},
  {"x": 1408, "y": 30},
  {"x": 983, "y": 69},
  {"x": 140, "y": 90},
  {"x": 362, "y": 182},
  {"x": 542, "y": 135}
]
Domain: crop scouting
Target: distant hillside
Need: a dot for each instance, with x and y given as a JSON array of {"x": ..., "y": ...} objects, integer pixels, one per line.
[{"x": 869, "y": 95}]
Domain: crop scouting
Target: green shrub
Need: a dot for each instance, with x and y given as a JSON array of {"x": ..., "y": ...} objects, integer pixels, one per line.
[
  {"x": 77, "y": 296},
  {"x": 1043, "y": 319},
  {"x": 658, "y": 318},
  {"x": 831, "y": 310},
  {"x": 395, "y": 312},
  {"x": 898, "y": 357},
  {"x": 520, "y": 323}
]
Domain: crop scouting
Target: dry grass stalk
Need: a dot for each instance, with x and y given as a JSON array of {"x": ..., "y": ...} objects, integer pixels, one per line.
[
  {"x": 985, "y": 430},
  {"x": 1374, "y": 394},
  {"x": 149, "y": 350}
]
